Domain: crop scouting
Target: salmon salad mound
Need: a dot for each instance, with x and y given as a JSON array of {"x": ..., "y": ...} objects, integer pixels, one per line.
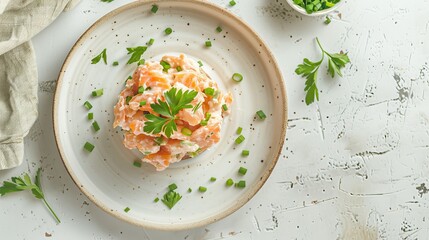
[{"x": 171, "y": 110}]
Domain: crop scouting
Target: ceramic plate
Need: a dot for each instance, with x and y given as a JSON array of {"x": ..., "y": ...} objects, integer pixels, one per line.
[{"x": 107, "y": 175}]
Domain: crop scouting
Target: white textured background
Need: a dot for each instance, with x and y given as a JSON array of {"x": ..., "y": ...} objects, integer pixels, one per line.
[{"x": 354, "y": 165}]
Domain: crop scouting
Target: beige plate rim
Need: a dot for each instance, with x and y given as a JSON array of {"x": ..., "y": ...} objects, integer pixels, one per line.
[{"x": 172, "y": 227}]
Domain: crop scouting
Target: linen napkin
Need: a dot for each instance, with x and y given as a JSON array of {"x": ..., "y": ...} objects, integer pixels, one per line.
[{"x": 20, "y": 20}]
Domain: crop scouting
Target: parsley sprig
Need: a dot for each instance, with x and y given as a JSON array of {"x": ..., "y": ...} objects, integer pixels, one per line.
[
  {"x": 175, "y": 100},
  {"x": 136, "y": 53},
  {"x": 309, "y": 70},
  {"x": 97, "y": 58},
  {"x": 18, "y": 184}
]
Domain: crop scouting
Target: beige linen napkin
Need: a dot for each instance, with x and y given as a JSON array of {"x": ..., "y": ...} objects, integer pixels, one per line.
[{"x": 20, "y": 20}]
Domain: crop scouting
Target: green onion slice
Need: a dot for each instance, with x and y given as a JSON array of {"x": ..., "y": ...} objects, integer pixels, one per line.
[
  {"x": 96, "y": 126},
  {"x": 154, "y": 8},
  {"x": 229, "y": 182},
  {"x": 165, "y": 65},
  {"x": 241, "y": 184},
  {"x": 209, "y": 91},
  {"x": 88, "y": 147},
  {"x": 225, "y": 107},
  {"x": 97, "y": 92},
  {"x": 87, "y": 105},
  {"x": 202, "y": 189},
  {"x": 137, "y": 163},
  {"x": 168, "y": 31},
  {"x": 242, "y": 171},
  {"x": 151, "y": 41},
  {"x": 237, "y": 77},
  {"x": 240, "y": 139},
  {"x": 261, "y": 114},
  {"x": 186, "y": 131}
]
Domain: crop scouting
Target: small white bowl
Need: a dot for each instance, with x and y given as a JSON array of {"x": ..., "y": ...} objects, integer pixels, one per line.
[{"x": 314, "y": 14}]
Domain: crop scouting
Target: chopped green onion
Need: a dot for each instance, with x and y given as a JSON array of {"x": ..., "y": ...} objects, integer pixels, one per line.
[
  {"x": 209, "y": 91},
  {"x": 219, "y": 29},
  {"x": 97, "y": 92},
  {"x": 327, "y": 20},
  {"x": 179, "y": 69},
  {"x": 208, "y": 43},
  {"x": 237, "y": 77},
  {"x": 129, "y": 77},
  {"x": 154, "y": 8},
  {"x": 148, "y": 89},
  {"x": 90, "y": 116},
  {"x": 168, "y": 31},
  {"x": 115, "y": 63},
  {"x": 212, "y": 179},
  {"x": 240, "y": 139},
  {"x": 241, "y": 184},
  {"x": 96, "y": 126},
  {"x": 165, "y": 65},
  {"x": 239, "y": 130},
  {"x": 245, "y": 153},
  {"x": 87, "y": 105},
  {"x": 137, "y": 163},
  {"x": 88, "y": 147},
  {"x": 229, "y": 182},
  {"x": 232, "y": 3},
  {"x": 203, "y": 122},
  {"x": 141, "y": 89},
  {"x": 202, "y": 189},
  {"x": 208, "y": 115},
  {"x": 127, "y": 209},
  {"x": 141, "y": 62},
  {"x": 172, "y": 186},
  {"x": 242, "y": 170},
  {"x": 200, "y": 63},
  {"x": 151, "y": 41},
  {"x": 128, "y": 99},
  {"x": 261, "y": 114},
  {"x": 142, "y": 103},
  {"x": 156, "y": 199},
  {"x": 186, "y": 131},
  {"x": 189, "y": 190},
  {"x": 225, "y": 107}
]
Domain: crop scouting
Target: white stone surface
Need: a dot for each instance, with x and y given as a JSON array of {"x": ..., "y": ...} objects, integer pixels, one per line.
[{"x": 351, "y": 164}]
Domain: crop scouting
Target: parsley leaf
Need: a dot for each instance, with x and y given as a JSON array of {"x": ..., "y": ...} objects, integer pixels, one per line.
[
  {"x": 309, "y": 70},
  {"x": 97, "y": 58},
  {"x": 136, "y": 53},
  {"x": 18, "y": 184},
  {"x": 175, "y": 100},
  {"x": 171, "y": 198}
]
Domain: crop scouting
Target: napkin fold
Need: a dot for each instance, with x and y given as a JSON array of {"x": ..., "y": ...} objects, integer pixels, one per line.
[{"x": 20, "y": 20}]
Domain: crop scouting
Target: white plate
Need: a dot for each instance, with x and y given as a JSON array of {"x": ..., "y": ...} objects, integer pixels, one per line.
[{"x": 107, "y": 175}]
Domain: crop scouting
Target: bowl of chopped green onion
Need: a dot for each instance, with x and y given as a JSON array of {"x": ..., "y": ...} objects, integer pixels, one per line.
[{"x": 314, "y": 7}]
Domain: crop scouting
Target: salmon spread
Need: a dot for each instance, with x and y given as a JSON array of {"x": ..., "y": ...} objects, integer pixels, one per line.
[{"x": 171, "y": 110}]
